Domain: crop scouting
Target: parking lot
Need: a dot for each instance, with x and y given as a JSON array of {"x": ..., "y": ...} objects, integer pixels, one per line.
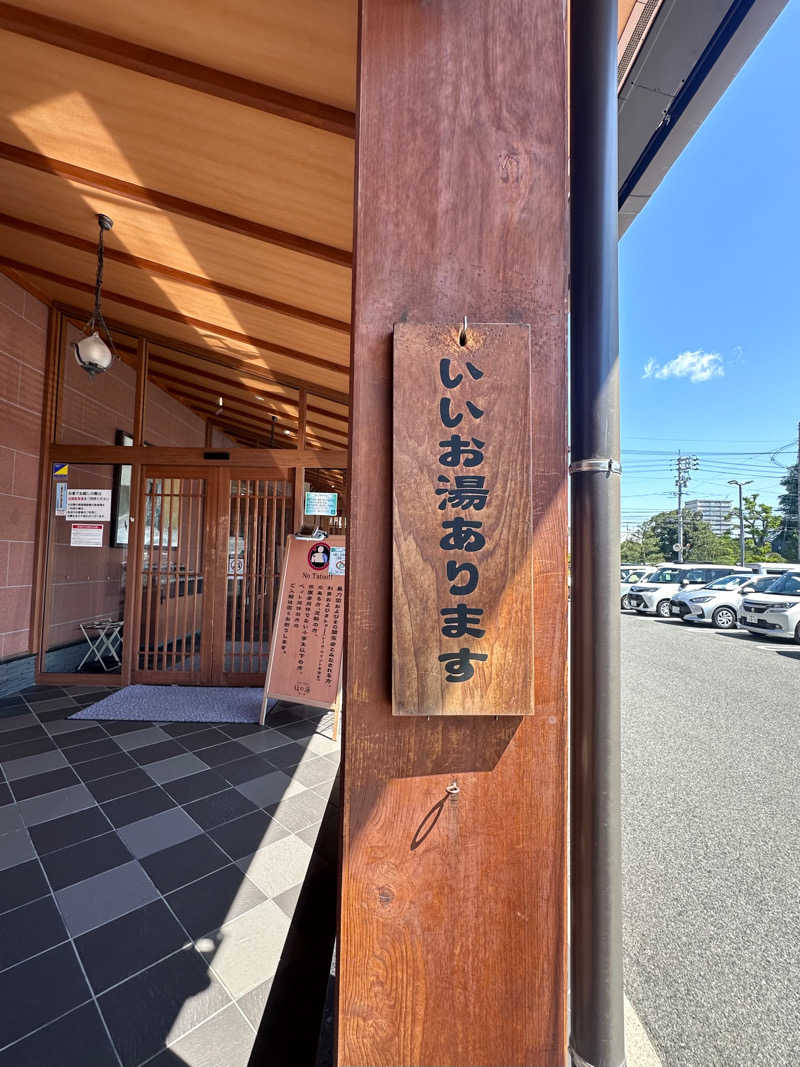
[{"x": 711, "y": 740}]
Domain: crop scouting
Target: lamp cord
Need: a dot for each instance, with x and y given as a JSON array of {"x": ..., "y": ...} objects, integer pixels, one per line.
[{"x": 97, "y": 315}]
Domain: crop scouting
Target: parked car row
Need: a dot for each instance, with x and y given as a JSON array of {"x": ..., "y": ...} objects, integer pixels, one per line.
[{"x": 761, "y": 598}]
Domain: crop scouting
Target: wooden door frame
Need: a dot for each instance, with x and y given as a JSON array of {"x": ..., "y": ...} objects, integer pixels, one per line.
[{"x": 275, "y": 464}]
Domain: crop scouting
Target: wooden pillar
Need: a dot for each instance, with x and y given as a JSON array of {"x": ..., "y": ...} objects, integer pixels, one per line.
[
  {"x": 50, "y": 403},
  {"x": 453, "y": 948},
  {"x": 300, "y": 472},
  {"x": 133, "y": 585}
]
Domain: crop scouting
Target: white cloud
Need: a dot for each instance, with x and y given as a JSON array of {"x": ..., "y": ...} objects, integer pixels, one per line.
[{"x": 697, "y": 366}]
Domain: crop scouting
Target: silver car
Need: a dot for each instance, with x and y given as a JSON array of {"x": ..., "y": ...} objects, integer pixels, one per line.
[{"x": 719, "y": 602}]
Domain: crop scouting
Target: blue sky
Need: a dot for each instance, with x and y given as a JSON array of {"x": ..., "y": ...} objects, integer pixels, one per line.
[{"x": 710, "y": 296}]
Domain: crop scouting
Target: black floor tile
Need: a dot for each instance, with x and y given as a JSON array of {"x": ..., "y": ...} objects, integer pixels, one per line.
[
  {"x": 79, "y": 737},
  {"x": 119, "y": 785},
  {"x": 205, "y": 905},
  {"x": 73, "y": 864},
  {"x": 8, "y": 704},
  {"x": 244, "y": 770},
  {"x": 68, "y": 830},
  {"x": 286, "y": 755},
  {"x": 30, "y": 733},
  {"x": 160, "y": 750},
  {"x": 20, "y": 884},
  {"x": 195, "y": 786},
  {"x": 51, "y": 714},
  {"x": 25, "y": 748},
  {"x": 126, "y": 727},
  {"x": 202, "y": 739},
  {"x": 142, "y": 1012},
  {"x": 33, "y": 694},
  {"x": 137, "y": 806},
  {"x": 104, "y": 767},
  {"x": 64, "y": 1043},
  {"x": 178, "y": 729},
  {"x": 24, "y": 788},
  {"x": 240, "y": 729},
  {"x": 115, "y": 951},
  {"x": 224, "y": 753},
  {"x": 246, "y": 835},
  {"x": 222, "y": 807},
  {"x": 38, "y": 990},
  {"x": 5, "y": 794},
  {"x": 28, "y": 930},
  {"x": 93, "y": 750},
  {"x": 175, "y": 866}
]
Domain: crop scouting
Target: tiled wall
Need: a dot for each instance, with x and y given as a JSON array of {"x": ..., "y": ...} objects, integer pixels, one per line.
[{"x": 23, "y": 335}]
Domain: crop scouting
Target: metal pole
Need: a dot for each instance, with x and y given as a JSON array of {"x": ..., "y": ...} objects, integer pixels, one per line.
[
  {"x": 597, "y": 1036},
  {"x": 680, "y": 509},
  {"x": 741, "y": 527}
]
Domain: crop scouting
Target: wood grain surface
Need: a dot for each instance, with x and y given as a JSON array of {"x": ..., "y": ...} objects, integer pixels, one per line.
[
  {"x": 461, "y": 472},
  {"x": 453, "y": 912}
]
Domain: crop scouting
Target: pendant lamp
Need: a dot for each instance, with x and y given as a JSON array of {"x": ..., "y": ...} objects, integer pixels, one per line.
[{"x": 91, "y": 351}]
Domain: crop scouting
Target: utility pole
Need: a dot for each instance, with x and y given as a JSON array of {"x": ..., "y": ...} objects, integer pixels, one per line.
[
  {"x": 732, "y": 481},
  {"x": 683, "y": 466}
]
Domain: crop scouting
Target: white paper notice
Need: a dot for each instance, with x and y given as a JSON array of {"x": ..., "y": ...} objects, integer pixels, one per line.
[
  {"x": 88, "y": 504},
  {"x": 86, "y": 535}
]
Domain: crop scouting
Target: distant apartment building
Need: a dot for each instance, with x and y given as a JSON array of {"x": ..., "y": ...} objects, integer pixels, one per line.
[{"x": 715, "y": 513}]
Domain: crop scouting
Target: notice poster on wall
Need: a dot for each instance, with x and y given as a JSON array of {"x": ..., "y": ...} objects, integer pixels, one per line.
[
  {"x": 86, "y": 504},
  {"x": 61, "y": 499},
  {"x": 86, "y": 535},
  {"x": 305, "y": 662}
]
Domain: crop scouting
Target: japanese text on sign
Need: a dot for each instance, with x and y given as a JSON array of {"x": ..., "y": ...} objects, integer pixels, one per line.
[
  {"x": 462, "y": 581},
  {"x": 306, "y": 654}
]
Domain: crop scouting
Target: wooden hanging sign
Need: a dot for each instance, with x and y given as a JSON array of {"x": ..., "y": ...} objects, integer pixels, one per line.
[
  {"x": 305, "y": 661},
  {"x": 462, "y": 605}
]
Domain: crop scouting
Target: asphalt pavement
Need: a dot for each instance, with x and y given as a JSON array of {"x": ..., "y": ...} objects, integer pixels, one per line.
[{"x": 711, "y": 869}]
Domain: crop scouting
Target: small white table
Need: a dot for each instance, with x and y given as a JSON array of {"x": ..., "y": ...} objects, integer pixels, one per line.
[{"x": 104, "y": 637}]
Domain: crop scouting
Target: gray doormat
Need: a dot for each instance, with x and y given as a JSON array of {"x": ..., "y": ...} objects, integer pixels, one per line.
[{"x": 178, "y": 703}]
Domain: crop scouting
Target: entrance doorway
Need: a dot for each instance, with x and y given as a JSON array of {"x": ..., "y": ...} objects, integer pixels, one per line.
[{"x": 209, "y": 543}]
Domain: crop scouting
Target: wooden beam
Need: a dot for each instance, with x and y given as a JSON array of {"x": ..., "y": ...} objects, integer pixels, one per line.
[
  {"x": 244, "y": 387},
  {"x": 175, "y": 205},
  {"x": 178, "y": 71},
  {"x": 173, "y": 315},
  {"x": 452, "y": 938},
  {"x": 300, "y": 474},
  {"x": 211, "y": 356},
  {"x": 142, "y": 360},
  {"x": 192, "y": 388},
  {"x": 161, "y": 270},
  {"x": 280, "y": 458}
]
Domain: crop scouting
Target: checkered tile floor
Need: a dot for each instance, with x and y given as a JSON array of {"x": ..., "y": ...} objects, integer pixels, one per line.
[{"x": 149, "y": 873}]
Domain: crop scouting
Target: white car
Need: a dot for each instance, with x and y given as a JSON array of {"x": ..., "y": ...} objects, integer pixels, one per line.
[
  {"x": 630, "y": 576},
  {"x": 720, "y": 601},
  {"x": 654, "y": 596},
  {"x": 777, "y": 612}
]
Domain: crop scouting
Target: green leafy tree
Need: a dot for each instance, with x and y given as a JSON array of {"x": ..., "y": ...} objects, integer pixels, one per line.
[
  {"x": 761, "y": 524},
  {"x": 699, "y": 540},
  {"x": 787, "y": 506},
  {"x": 641, "y": 546}
]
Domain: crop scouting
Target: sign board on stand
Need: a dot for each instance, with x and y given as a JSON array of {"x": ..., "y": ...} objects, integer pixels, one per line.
[
  {"x": 462, "y": 590},
  {"x": 305, "y": 662}
]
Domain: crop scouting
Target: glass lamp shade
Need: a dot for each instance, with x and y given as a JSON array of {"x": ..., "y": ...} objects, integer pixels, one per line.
[{"x": 92, "y": 353}]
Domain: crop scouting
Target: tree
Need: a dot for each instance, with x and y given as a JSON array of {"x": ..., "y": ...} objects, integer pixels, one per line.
[
  {"x": 699, "y": 540},
  {"x": 760, "y": 523},
  {"x": 786, "y": 541},
  {"x": 641, "y": 546}
]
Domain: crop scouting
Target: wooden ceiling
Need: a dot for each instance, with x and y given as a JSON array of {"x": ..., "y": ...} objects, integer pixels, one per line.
[{"x": 219, "y": 137}]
